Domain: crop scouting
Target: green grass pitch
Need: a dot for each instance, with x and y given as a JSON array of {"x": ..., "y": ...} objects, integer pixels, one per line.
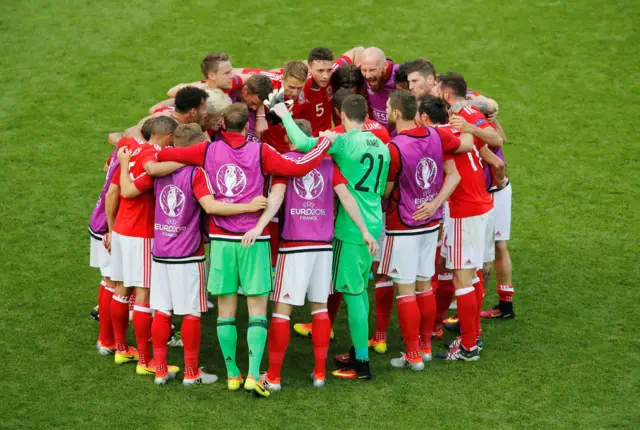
[{"x": 567, "y": 77}]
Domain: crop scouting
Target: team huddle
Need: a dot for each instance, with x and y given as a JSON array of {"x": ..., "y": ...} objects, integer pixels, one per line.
[{"x": 304, "y": 181}]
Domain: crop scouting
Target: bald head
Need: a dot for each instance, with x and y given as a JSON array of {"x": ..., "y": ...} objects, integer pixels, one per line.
[{"x": 373, "y": 66}]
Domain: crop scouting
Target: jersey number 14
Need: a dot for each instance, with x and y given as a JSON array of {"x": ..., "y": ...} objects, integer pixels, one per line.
[{"x": 368, "y": 159}]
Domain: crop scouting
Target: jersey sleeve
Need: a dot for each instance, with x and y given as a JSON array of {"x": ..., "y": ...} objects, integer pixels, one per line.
[
  {"x": 394, "y": 162},
  {"x": 450, "y": 143},
  {"x": 143, "y": 182},
  {"x": 274, "y": 163},
  {"x": 193, "y": 154},
  {"x": 200, "y": 183},
  {"x": 338, "y": 177},
  {"x": 341, "y": 61},
  {"x": 479, "y": 120},
  {"x": 236, "y": 83},
  {"x": 279, "y": 180},
  {"x": 116, "y": 177}
]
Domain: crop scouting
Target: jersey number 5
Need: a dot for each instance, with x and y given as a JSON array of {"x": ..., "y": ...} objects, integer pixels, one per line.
[
  {"x": 319, "y": 109},
  {"x": 368, "y": 158}
]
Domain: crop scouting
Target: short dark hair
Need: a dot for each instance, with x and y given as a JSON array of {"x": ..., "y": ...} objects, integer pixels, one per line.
[
  {"x": 347, "y": 76},
  {"x": 402, "y": 73},
  {"x": 212, "y": 61},
  {"x": 355, "y": 108},
  {"x": 340, "y": 96},
  {"x": 259, "y": 85},
  {"x": 453, "y": 81},
  {"x": 187, "y": 135},
  {"x": 422, "y": 66},
  {"x": 405, "y": 102},
  {"x": 320, "y": 53},
  {"x": 190, "y": 98},
  {"x": 304, "y": 126},
  {"x": 436, "y": 109},
  {"x": 236, "y": 117},
  {"x": 145, "y": 130},
  {"x": 163, "y": 125}
]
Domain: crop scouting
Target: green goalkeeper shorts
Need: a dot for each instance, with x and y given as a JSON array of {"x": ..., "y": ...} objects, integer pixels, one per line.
[
  {"x": 351, "y": 267},
  {"x": 231, "y": 265}
]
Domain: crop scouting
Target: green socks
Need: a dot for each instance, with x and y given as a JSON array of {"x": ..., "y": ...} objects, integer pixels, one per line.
[
  {"x": 256, "y": 341},
  {"x": 228, "y": 338},
  {"x": 358, "y": 313}
]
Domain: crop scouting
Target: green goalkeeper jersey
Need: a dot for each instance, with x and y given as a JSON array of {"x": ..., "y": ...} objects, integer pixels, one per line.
[{"x": 364, "y": 160}]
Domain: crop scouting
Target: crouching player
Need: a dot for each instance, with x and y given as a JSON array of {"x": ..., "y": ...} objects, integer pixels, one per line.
[
  {"x": 178, "y": 274},
  {"x": 239, "y": 168},
  {"x": 417, "y": 189},
  {"x": 305, "y": 256}
]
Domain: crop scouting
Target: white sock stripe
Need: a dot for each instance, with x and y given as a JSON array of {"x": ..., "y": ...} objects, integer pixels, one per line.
[
  {"x": 284, "y": 317},
  {"x": 319, "y": 311},
  {"x": 463, "y": 291},
  {"x": 506, "y": 288},
  {"x": 401, "y": 297},
  {"x": 110, "y": 289},
  {"x": 103, "y": 283},
  {"x": 144, "y": 309},
  {"x": 424, "y": 292},
  {"x": 167, "y": 313},
  {"x": 121, "y": 299},
  {"x": 475, "y": 280},
  {"x": 445, "y": 277},
  {"x": 384, "y": 284}
]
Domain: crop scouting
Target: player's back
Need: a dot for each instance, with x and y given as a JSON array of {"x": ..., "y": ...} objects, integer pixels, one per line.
[{"x": 364, "y": 161}]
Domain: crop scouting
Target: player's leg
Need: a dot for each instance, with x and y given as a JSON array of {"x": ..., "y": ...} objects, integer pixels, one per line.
[
  {"x": 503, "y": 269},
  {"x": 106, "y": 341},
  {"x": 428, "y": 246},
  {"x": 120, "y": 303},
  {"x": 351, "y": 265},
  {"x": 98, "y": 260},
  {"x": 445, "y": 291},
  {"x": 317, "y": 294},
  {"x": 138, "y": 274},
  {"x": 384, "y": 294},
  {"x": 223, "y": 282},
  {"x": 254, "y": 265}
]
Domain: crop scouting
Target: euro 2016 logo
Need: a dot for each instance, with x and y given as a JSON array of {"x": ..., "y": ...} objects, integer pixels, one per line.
[
  {"x": 231, "y": 180},
  {"x": 426, "y": 172},
  {"x": 310, "y": 186},
  {"x": 172, "y": 200}
]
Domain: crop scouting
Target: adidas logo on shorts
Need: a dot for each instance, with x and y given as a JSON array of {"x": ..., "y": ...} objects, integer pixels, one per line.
[{"x": 287, "y": 296}]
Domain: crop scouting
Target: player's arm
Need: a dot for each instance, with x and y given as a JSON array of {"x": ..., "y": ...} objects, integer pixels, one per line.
[
  {"x": 276, "y": 197},
  {"x": 499, "y": 169},
  {"x": 192, "y": 155},
  {"x": 499, "y": 128},
  {"x": 274, "y": 163},
  {"x": 217, "y": 207},
  {"x": 394, "y": 168},
  {"x": 158, "y": 169},
  {"x": 484, "y": 104},
  {"x": 136, "y": 130},
  {"x": 127, "y": 186},
  {"x": 111, "y": 203},
  {"x": 351, "y": 206},
  {"x": 487, "y": 134},
  {"x": 113, "y": 138},
  {"x": 354, "y": 54},
  {"x": 261, "y": 121},
  {"x": 163, "y": 103},
  {"x": 301, "y": 141}
]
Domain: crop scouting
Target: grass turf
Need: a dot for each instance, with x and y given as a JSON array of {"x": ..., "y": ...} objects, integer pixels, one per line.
[{"x": 566, "y": 76}]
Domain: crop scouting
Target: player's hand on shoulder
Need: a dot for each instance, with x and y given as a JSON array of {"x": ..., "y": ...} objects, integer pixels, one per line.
[
  {"x": 257, "y": 204},
  {"x": 372, "y": 244},
  {"x": 460, "y": 123},
  {"x": 124, "y": 155},
  {"x": 331, "y": 135}
]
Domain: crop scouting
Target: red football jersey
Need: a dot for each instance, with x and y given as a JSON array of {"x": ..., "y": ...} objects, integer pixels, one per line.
[
  {"x": 470, "y": 198},
  {"x": 135, "y": 216},
  {"x": 374, "y": 127}
]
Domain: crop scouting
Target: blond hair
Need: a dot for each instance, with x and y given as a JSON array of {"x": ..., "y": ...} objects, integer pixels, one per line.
[
  {"x": 187, "y": 135},
  {"x": 217, "y": 102}
]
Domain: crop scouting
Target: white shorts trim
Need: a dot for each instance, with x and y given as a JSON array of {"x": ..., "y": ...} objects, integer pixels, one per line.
[
  {"x": 406, "y": 259},
  {"x": 131, "y": 260},
  {"x": 303, "y": 274},
  {"x": 99, "y": 257},
  {"x": 502, "y": 212},
  {"x": 179, "y": 288},
  {"x": 463, "y": 242},
  {"x": 489, "y": 253}
]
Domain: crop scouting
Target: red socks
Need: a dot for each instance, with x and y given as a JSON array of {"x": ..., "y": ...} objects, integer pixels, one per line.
[
  {"x": 191, "y": 338},
  {"x": 105, "y": 337},
  {"x": 443, "y": 294},
  {"x": 142, "y": 319},
  {"x": 335, "y": 298},
  {"x": 478, "y": 287},
  {"x": 278, "y": 342},
  {"x": 505, "y": 293},
  {"x": 160, "y": 332},
  {"x": 467, "y": 309},
  {"x": 384, "y": 304},
  {"x": 321, "y": 329},
  {"x": 120, "y": 320},
  {"x": 427, "y": 305},
  {"x": 409, "y": 321}
]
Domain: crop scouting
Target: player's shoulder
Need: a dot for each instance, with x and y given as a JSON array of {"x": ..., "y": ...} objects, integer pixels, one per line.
[{"x": 447, "y": 128}]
